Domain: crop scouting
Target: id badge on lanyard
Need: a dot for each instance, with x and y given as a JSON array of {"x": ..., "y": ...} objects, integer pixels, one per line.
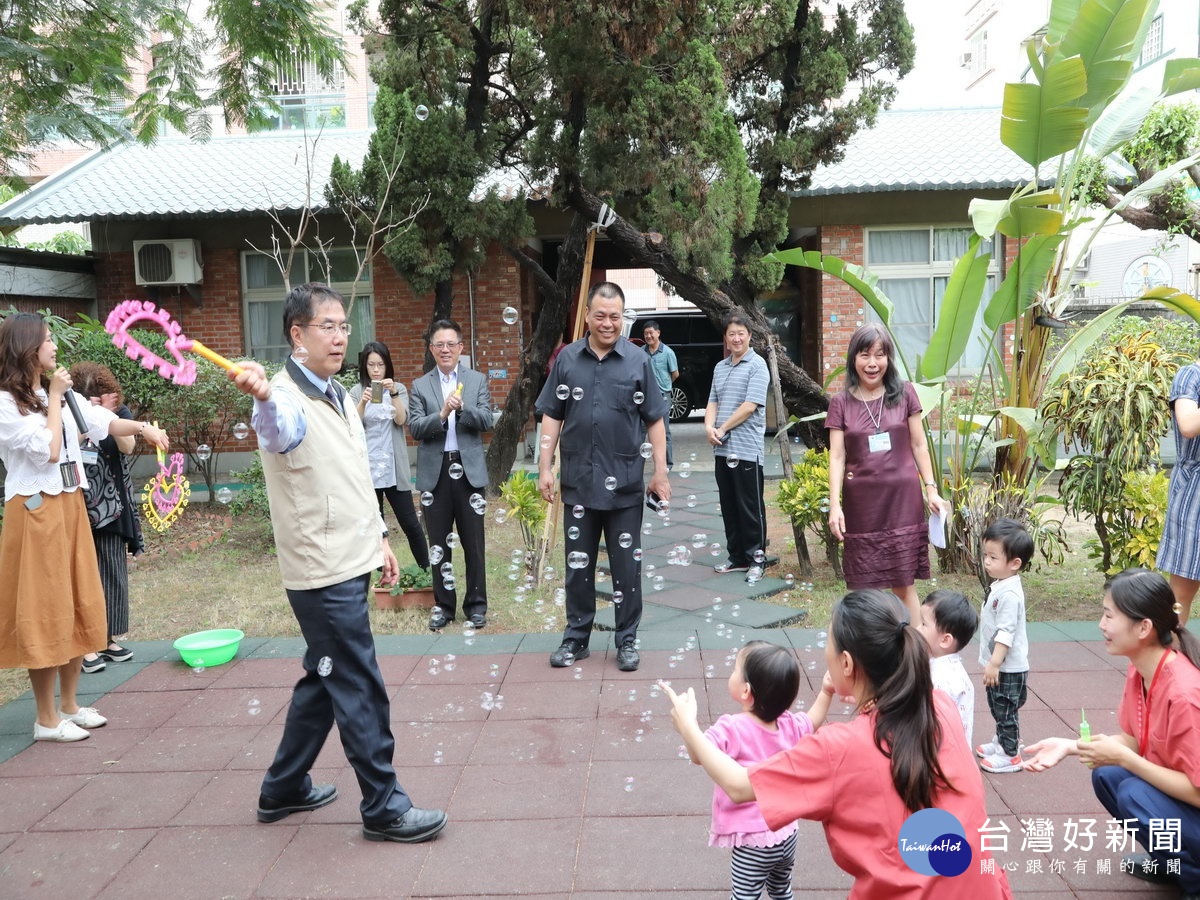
[{"x": 880, "y": 442}]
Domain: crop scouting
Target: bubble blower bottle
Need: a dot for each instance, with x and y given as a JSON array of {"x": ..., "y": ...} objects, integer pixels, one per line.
[{"x": 1085, "y": 730}]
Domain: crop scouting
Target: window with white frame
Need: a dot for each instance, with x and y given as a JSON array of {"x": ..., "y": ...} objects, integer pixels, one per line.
[
  {"x": 914, "y": 266},
  {"x": 306, "y": 99},
  {"x": 1152, "y": 47},
  {"x": 263, "y": 294}
]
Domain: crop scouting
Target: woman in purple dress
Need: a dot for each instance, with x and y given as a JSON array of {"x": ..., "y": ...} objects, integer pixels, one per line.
[{"x": 878, "y": 465}]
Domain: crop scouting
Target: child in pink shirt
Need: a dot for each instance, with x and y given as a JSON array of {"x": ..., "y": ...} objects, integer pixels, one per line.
[{"x": 765, "y": 681}]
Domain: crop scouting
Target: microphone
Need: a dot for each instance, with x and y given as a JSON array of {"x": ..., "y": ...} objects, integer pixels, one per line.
[{"x": 80, "y": 421}]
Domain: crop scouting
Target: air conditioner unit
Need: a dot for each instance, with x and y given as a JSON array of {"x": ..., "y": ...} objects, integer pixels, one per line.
[
  {"x": 167, "y": 262},
  {"x": 964, "y": 59}
]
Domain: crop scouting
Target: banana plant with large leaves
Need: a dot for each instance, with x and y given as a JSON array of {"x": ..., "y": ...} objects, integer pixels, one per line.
[{"x": 1075, "y": 103}]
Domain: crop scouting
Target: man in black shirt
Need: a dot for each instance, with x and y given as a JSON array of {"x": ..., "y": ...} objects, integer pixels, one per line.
[{"x": 602, "y": 401}]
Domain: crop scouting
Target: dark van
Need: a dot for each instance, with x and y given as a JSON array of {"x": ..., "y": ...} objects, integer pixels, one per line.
[{"x": 698, "y": 348}]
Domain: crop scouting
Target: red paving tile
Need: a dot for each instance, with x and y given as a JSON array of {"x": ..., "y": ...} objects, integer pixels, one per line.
[{"x": 573, "y": 788}]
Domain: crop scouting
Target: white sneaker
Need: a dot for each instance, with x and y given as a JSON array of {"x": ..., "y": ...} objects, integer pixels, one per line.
[
  {"x": 66, "y": 732},
  {"x": 87, "y": 717},
  {"x": 991, "y": 748},
  {"x": 1001, "y": 762}
]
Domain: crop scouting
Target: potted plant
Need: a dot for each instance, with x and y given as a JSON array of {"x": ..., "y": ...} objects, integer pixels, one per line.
[{"x": 413, "y": 590}]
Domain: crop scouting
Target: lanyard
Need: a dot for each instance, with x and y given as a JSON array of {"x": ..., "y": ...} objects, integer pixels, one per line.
[
  {"x": 875, "y": 420},
  {"x": 1144, "y": 739}
]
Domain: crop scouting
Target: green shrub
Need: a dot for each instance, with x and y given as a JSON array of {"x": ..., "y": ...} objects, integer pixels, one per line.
[
  {"x": 524, "y": 502},
  {"x": 251, "y": 498},
  {"x": 804, "y": 499},
  {"x": 144, "y": 389},
  {"x": 1139, "y": 531}
]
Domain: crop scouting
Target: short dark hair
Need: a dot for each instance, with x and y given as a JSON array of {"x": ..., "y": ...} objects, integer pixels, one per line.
[
  {"x": 651, "y": 323},
  {"x": 607, "y": 290},
  {"x": 954, "y": 615},
  {"x": 301, "y": 303},
  {"x": 389, "y": 371},
  {"x": 773, "y": 674},
  {"x": 1013, "y": 538},
  {"x": 443, "y": 325},
  {"x": 735, "y": 317}
]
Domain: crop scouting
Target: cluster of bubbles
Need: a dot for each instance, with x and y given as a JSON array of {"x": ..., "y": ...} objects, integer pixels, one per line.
[
  {"x": 489, "y": 701},
  {"x": 478, "y": 503},
  {"x": 679, "y": 555},
  {"x": 577, "y": 559}
]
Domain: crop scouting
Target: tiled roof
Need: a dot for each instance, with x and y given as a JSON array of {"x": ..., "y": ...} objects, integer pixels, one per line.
[
  {"x": 916, "y": 150},
  {"x": 226, "y": 176},
  {"x": 924, "y": 150}
]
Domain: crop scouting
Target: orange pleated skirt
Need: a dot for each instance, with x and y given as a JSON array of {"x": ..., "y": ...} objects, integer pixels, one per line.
[{"x": 51, "y": 600}]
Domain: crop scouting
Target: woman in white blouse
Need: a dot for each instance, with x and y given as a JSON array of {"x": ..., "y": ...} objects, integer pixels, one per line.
[{"x": 51, "y": 601}]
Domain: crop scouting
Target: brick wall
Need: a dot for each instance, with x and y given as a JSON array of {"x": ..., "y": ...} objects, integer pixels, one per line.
[{"x": 841, "y": 309}]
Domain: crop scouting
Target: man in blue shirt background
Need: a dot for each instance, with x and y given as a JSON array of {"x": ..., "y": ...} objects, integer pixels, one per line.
[{"x": 666, "y": 370}]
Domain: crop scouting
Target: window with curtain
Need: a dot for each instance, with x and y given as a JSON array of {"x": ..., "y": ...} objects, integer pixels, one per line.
[
  {"x": 914, "y": 266},
  {"x": 263, "y": 294}
]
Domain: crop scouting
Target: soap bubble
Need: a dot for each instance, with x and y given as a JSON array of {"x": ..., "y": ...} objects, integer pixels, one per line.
[
  {"x": 759, "y": 557},
  {"x": 658, "y": 582},
  {"x": 562, "y": 392},
  {"x": 647, "y": 450},
  {"x": 699, "y": 540},
  {"x": 426, "y": 498},
  {"x": 646, "y": 528},
  {"x": 224, "y": 495},
  {"x": 478, "y": 503},
  {"x": 789, "y": 579},
  {"x": 573, "y": 533},
  {"x": 617, "y": 597},
  {"x": 577, "y": 511},
  {"x": 691, "y": 501},
  {"x": 685, "y": 470},
  {"x": 448, "y": 582},
  {"x": 240, "y": 430},
  {"x": 509, "y": 315},
  {"x": 610, "y": 483},
  {"x": 638, "y": 397},
  {"x": 452, "y": 540},
  {"x": 300, "y": 354},
  {"x": 732, "y": 460},
  {"x": 421, "y": 112},
  {"x": 630, "y": 315},
  {"x": 714, "y": 548},
  {"x": 203, "y": 452},
  {"x": 446, "y": 568},
  {"x": 435, "y": 554},
  {"x": 577, "y": 559},
  {"x": 625, "y": 539},
  {"x": 576, "y": 393},
  {"x": 637, "y": 554},
  {"x": 455, "y": 471}
]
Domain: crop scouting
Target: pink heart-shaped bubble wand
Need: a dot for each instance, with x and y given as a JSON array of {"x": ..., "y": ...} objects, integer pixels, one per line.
[{"x": 177, "y": 369}]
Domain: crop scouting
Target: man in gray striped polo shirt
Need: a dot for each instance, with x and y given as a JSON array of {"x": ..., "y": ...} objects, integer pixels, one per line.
[{"x": 735, "y": 423}]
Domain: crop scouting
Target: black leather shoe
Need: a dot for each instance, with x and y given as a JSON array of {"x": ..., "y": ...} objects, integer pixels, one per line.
[
  {"x": 569, "y": 651},
  {"x": 628, "y": 658},
  {"x": 413, "y": 827},
  {"x": 479, "y": 620},
  {"x": 438, "y": 619},
  {"x": 273, "y": 810}
]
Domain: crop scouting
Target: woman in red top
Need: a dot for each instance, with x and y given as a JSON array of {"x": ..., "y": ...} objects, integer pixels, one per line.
[
  {"x": 1151, "y": 771},
  {"x": 841, "y": 777}
]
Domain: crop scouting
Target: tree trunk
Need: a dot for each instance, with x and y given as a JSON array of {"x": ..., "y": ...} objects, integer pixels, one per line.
[
  {"x": 802, "y": 396},
  {"x": 443, "y": 308},
  {"x": 547, "y": 332}
]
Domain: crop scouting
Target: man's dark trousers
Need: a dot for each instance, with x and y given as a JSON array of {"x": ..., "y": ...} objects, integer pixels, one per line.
[
  {"x": 450, "y": 510},
  {"x": 626, "y": 571},
  {"x": 342, "y": 684},
  {"x": 743, "y": 511}
]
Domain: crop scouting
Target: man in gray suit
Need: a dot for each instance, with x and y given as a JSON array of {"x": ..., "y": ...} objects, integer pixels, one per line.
[{"x": 449, "y": 409}]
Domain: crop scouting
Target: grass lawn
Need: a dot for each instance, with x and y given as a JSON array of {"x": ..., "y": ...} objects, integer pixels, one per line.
[{"x": 209, "y": 571}]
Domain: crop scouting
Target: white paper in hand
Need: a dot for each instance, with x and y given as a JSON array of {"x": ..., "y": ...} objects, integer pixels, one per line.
[{"x": 937, "y": 529}]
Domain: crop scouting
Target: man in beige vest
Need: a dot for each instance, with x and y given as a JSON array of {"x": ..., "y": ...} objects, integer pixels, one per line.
[{"x": 327, "y": 538}]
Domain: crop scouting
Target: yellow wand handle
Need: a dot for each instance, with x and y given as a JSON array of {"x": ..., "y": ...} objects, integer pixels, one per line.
[
  {"x": 162, "y": 457},
  {"x": 214, "y": 357},
  {"x": 458, "y": 390}
]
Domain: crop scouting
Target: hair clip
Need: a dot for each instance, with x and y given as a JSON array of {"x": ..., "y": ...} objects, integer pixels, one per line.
[{"x": 1177, "y": 608}]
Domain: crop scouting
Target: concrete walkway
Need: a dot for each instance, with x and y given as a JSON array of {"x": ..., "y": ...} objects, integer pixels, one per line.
[{"x": 559, "y": 783}]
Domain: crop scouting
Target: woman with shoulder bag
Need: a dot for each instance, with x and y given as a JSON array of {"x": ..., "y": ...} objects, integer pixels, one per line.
[{"x": 112, "y": 509}]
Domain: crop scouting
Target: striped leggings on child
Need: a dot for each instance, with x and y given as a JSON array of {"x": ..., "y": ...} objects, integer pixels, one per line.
[{"x": 753, "y": 868}]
